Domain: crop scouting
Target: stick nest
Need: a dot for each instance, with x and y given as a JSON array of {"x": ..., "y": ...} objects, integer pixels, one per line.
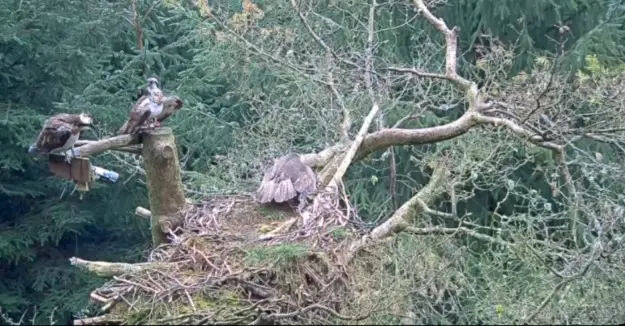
[{"x": 219, "y": 268}]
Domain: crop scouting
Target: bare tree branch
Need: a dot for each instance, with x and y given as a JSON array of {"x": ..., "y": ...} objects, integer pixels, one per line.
[
  {"x": 349, "y": 156},
  {"x": 116, "y": 142},
  {"x": 318, "y": 39}
]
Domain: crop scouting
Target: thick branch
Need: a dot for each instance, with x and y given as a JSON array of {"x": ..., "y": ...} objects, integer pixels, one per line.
[
  {"x": 399, "y": 221},
  {"x": 415, "y": 205},
  {"x": 321, "y": 159},
  {"x": 132, "y": 149},
  {"x": 398, "y": 136},
  {"x": 386, "y": 138},
  {"x": 99, "y": 146},
  {"x": 105, "y": 269},
  {"x": 165, "y": 190}
]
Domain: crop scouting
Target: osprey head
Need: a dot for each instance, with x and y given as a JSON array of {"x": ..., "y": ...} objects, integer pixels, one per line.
[
  {"x": 155, "y": 93},
  {"x": 153, "y": 83},
  {"x": 85, "y": 121}
]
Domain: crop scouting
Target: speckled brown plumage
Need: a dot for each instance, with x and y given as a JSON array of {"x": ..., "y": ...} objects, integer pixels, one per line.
[{"x": 286, "y": 179}]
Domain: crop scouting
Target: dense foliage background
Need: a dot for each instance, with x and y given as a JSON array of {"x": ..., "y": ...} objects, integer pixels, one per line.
[{"x": 73, "y": 56}]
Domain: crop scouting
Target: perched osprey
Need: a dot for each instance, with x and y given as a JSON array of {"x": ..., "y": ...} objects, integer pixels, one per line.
[
  {"x": 286, "y": 179},
  {"x": 59, "y": 134},
  {"x": 147, "y": 108}
]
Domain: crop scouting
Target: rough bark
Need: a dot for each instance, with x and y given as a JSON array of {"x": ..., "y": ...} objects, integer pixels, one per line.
[
  {"x": 99, "y": 146},
  {"x": 106, "y": 269},
  {"x": 163, "y": 181}
]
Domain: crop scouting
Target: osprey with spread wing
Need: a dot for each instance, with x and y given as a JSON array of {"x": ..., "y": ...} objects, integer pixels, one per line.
[
  {"x": 59, "y": 134},
  {"x": 287, "y": 179},
  {"x": 147, "y": 109}
]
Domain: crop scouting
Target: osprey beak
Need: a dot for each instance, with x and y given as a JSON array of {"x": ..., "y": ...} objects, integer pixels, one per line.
[
  {"x": 33, "y": 150},
  {"x": 86, "y": 126}
]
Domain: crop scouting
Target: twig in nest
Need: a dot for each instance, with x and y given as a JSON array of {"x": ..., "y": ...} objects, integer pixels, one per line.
[
  {"x": 96, "y": 321},
  {"x": 280, "y": 229},
  {"x": 148, "y": 289},
  {"x": 99, "y": 298},
  {"x": 273, "y": 317}
]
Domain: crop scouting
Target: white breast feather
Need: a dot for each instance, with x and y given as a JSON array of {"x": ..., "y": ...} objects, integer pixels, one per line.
[{"x": 155, "y": 109}]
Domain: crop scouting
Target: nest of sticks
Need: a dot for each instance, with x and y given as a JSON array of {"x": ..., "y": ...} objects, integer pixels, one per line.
[{"x": 221, "y": 267}]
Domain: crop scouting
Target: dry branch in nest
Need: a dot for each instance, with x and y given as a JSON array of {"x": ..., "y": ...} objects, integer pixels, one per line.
[{"x": 218, "y": 269}]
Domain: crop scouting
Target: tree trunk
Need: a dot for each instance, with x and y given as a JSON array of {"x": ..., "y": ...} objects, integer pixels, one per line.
[{"x": 165, "y": 190}]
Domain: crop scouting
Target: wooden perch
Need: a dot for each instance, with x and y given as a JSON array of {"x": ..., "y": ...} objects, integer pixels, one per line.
[
  {"x": 165, "y": 190},
  {"x": 80, "y": 171},
  {"x": 96, "y": 147},
  {"x": 133, "y": 149}
]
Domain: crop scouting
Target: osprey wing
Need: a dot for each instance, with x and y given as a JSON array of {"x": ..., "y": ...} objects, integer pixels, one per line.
[
  {"x": 54, "y": 135},
  {"x": 282, "y": 181},
  {"x": 264, "y": 194},
  {"x": 169, "y": 108},
  {"x": 306, "y": 181},
  {"x": 138, "y": 115}
]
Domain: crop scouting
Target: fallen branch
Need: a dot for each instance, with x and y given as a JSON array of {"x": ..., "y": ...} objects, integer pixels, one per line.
[
  {"x": 106, "y": 269},
  {"x": 100, "y": 320}
]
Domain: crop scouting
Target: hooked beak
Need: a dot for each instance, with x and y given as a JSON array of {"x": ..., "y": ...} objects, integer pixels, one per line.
[
  {"x": 33, "y": 150},
  {"x": 86, "y": 126}
]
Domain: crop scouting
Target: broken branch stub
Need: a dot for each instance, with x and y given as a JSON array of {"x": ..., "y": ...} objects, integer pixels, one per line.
[
  {"x": 164, "y": 183},
  {"x": 143, "y": 212}
]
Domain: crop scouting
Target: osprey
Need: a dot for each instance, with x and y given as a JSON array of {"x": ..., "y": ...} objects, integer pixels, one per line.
[
  {"x": 147, "y": 108},
  {"x": 286, "y": 179},
  {"x": 59, "y": 134},
  {"x": 169, "y": 107}
]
